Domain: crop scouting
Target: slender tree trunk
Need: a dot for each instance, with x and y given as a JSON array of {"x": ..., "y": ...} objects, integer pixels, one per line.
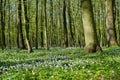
[
  {"x": 17, "y": 36},
  {"x": 51, "y": 22},
  {"x": 17, "y": 27},
  {"x": 36, "y": 37},
  {"x": 65, "y": 24},
  {"x": 118, "y": 21},
  {"x": 103, "y": 24},
  {"x": 70, "y": 23},
  {"x": 60, "y": 25},
  {"x": 91, "y": 40},
  {"x": 9, "y": 25},
  {"x": 0, "y": 23},
  {"x": 20, "y": 24},
  {"x": 3, "y": 44},
  {"x": 27, "y": 26},
  {"x": 42, "y": 21},
  {"x": 110, "y": 23},
  {"x": 45, "y": 27}
]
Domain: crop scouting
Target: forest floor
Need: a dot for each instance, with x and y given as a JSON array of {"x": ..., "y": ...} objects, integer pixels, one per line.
[{"x": 60, "y": 64}]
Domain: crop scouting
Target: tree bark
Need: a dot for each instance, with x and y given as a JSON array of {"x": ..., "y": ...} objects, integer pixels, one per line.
[
  {"x": 36, "y": 36},
  {"x": 65, "y": 24},
  {"x": 27, "y": 26},
  {"x": 91, "y": 40},
  {"x": 70, "y": 23},
  {"x": 3, "y": 4},
  {"x": 42, "y": 21},
  {"x": 110, "y": 23},
  {"x": 20, "y": 24},
  {"x": 51, "y": 23},
  {"x": 9, "y": 25},
  {"x": 45, "y": 27}
]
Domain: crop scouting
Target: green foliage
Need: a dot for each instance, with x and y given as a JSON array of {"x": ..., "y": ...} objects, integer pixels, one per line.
[{"x": 60, "y": 64}]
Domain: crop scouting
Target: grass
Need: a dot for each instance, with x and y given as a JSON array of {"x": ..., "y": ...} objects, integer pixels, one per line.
[{"x": 60, "y": 64}]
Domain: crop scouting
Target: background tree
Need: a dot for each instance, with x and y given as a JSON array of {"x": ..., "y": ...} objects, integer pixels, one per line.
[
  {"x": 9, "y": 25},
  {"x": 110, "y": 23},
  {"x": 65, "y": 24},
  {"x": 27, "y": 25},
  {"x": 70, "y": 23},
  {"x": 51, "y": 22},
  {"x": 45, "y": 44},
  {"x": 19, "y": 28},
  {"x": 36, "y": 37},
  {"x": 3, "y": 6}
]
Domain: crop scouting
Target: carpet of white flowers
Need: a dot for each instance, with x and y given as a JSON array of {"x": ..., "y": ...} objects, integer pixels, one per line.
[{"x": 60, "y": 64}]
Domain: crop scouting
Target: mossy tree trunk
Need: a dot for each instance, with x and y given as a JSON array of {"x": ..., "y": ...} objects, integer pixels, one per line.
[
  {"x": 110, "y": 23},
  {"x": 91, "y": 41}
]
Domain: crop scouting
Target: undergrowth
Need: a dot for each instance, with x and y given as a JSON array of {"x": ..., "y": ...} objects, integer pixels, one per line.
[{"x": 60, "y": 64}]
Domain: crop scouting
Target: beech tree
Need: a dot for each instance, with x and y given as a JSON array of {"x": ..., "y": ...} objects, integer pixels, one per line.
[
  {"x": 45, "y": 45},
  {"x": 70, "y": 23},
  {"x": 19, "y": 28},
  {"x": 91, "y": 41},
  {"x": 36, "y": 37},
  {"x": 110, "y": 23},
  {"x": 27, "y": 26},
  {"x": 2, "y": 10},
  {"x": 9, "y": 25},
  {"x": 65, "y": 24}
]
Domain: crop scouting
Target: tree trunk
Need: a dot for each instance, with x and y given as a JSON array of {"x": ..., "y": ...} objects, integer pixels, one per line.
[
  {"x": 51, "y": 23},
  {"x": 45, "y": 27},
  {"x": 27, "y": 26},
  {"x": 65, "y": 24},
  {"x": 42, "y": 21},
  {"x": 36, "y": 36},
  {"x": 70, "y": 23},
  {"x": 91, "y": 40},
  {"x": 9, "y": 25},
  {"x": 3, "y": 4},
  {"x": 110, "y": 23},
  {"x": 20, "y": 24}
]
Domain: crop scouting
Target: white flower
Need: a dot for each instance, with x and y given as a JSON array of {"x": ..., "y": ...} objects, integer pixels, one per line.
[{"x": 83, "y": 67}]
